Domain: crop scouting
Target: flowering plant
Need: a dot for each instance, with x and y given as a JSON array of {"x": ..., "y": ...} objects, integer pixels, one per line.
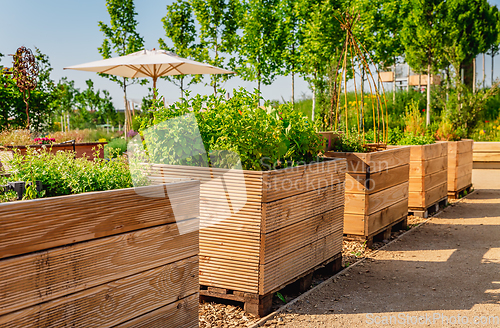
[{"x": 45, "y": 141}]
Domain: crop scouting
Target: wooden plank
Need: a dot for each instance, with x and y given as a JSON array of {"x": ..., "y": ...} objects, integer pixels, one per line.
[
  {"x": 356, "y": 182},
  {"x": 434, "y": 150},
  {"x": 284, "y": 183},
  {"x": 286, "y": 268},
  {"x": 183, "y": 313},
  {"x": 429, "y": 167},
  {"x": 464, "y": 146},
  {"x": 386, "y": 198},
  {"x": 376, "y": 222},
  {"x": 34, "y": 225},
  {"x": 293, "y": 209},
  {"x": 280, "y": 243},
  {"x": 231, "y": 274},
  {"x": 464, "y": 181},
  {"x": 486, "y": 147},
  {"x": 44, "y": 276},
  {"x": 354, "y": 224},
  {"x": 436, "y": 194},
  {"x": 375, "y": 161},
  {"x": 355, "y": 203},
  {"x": 464, "y": 158},
  {"x": 115, "y": 302},
  {"x": 486, "y": 157}
]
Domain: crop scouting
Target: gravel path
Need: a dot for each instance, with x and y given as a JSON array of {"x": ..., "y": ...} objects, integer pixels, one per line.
[{"x": 444, "y": 274}]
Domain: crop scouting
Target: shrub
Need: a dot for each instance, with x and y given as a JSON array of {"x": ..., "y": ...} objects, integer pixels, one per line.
[
  {"x": 116, "y": 147},
  {"x": 264, "y": 137},
  {"x": 63, "y": 174}
]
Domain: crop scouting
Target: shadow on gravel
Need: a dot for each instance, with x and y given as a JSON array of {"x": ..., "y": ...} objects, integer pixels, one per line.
[{"x": 444, "y": 265}]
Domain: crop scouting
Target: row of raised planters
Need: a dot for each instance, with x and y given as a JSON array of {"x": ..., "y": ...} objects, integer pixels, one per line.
[{"x": 134, "y": 257}]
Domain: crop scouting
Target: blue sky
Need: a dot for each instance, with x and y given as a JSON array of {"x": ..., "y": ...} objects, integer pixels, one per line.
[{"x": 67, "y": 31}]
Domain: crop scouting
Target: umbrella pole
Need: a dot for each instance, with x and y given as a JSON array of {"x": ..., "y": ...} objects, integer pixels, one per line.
[{"x": 154, "y": 88}]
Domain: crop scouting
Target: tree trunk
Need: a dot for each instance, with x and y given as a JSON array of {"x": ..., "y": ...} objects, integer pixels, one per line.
[
  {"x": 492, "y": 64},
  {"x": 182, "y": 86},
  {"x": 474, "y": 75},
  {"x": 362, "y": 96},
  {"x": 484, "y": 71},
  {"x": 428, "y": 111},
  {"x": 394, "y": 82},
  {"x": 408, "y": 83},
  {"x": 293, "y": 90},
  {"x": 314, "y": 97}
]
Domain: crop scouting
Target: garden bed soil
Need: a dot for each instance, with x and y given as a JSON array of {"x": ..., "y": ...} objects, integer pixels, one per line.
[
  {"x": 81, "y": 149},
  {"x": 259, "y": 231},
  {"x": 459, "y": 167},
  {"x": 376, "y": 190},
  {"x": 428, "y": 175},
  {"x": 112, "y": 258},
  {"x": 486, "y": 155}
]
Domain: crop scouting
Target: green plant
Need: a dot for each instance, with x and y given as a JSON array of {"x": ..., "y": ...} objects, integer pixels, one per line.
[
  {"x": 281, "y": 297},
  {"x": 63, "y": 174},
  {"x": 352, "y": 143},
  {"x": 116, "y": 147},
  {"x": 263, "y": 137}
]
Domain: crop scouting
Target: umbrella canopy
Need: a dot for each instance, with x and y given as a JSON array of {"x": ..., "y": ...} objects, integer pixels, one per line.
[{"x": 149, "y": 63}]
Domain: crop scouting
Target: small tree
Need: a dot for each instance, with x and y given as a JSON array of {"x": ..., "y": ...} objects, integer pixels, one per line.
[
  {"x": 180, "y": 29},
  {"x": 121, "y": 37}
]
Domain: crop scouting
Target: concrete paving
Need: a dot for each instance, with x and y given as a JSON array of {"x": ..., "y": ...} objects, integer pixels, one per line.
[{"x": 446, "y": 273}]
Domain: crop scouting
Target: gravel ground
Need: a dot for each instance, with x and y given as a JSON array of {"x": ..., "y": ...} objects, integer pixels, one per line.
[
  {"x": 232, "y": 315},
  {"x": 444, "y": 274}
]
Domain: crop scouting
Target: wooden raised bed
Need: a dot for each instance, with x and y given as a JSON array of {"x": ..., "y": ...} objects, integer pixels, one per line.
[
  {"x": 260, "y": 231},
  {"x": 428, "y": 186},
  {"x": 101, "y": 259},
  {"x": 81, "y": 149},
  {"x": 459, "y": 167},
  {"x": 376, "y": 191},
  {"x": 486, "y": 155}
]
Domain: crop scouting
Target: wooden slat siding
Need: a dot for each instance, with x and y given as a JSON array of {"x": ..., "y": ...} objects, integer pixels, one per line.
[
  {"x": 389, "y": 175},
  {"x": 356, "y": 182},
  {"x": 439, "y": 149},
  {"x": 386, "y": 198},
  {"x": 288, "y": 211},
  {"x": 377, "y": 222},
  {"x": 270, "y": 201},
  {"x": 376, "y": 161},
  {"x": 115, "y": 302},
  {"x": 43, "y": 276},
  {"x": 459, "y": 165},
  {"x": 286, "y": 268},
  {"x": 432, "y": 165},
  {"x": 486, "y": 155},
  {"x": 419, "y": 184},
  {"x": 279, "y": 184},
  {"x": 180, "y": 314},
  {"x": 281, "y": 242},
  {"x": 39, "y": 224}
]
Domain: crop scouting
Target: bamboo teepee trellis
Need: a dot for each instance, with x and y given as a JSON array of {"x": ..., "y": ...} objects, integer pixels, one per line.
[{"x": 352, "y": 57}]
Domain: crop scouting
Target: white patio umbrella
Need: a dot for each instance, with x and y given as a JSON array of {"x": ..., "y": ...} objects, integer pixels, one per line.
[{"x": 149, "y": 63}]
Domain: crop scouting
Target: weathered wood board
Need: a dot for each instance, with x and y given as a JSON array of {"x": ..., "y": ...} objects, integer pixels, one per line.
[
  {"x": 486, "y": 155},
  {"x": 376, "y": 193},
  {"x": 459, "y": 166},
  {"x": 102, "y": 259},
  {"x": 428, "y": 181},
  {"x": 254, "y": 224}
]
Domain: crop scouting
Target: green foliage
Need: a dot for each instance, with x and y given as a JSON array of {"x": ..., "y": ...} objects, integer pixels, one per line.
[
  {"x": 263, "y": 137},
  {"x": 120, "y": 36},
  {"x": 62, "y": 174},
  {"x": 281, "y": 297},
  {"x": 12, "y": 107},
  {"x": 352, "y": 143},
  {"x": 219, "y": 22},
  {"x": 116, "y": 147},
  {"x": 180, "y": 29}
]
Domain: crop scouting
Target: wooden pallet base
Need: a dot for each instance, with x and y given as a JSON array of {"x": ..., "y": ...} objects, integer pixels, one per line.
[
  {"x": 430, "y": 210},
  {"x": 260, "y": 305},
  {"x": 461, "y": 193},
  {"x": 384, "y": 234}
]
